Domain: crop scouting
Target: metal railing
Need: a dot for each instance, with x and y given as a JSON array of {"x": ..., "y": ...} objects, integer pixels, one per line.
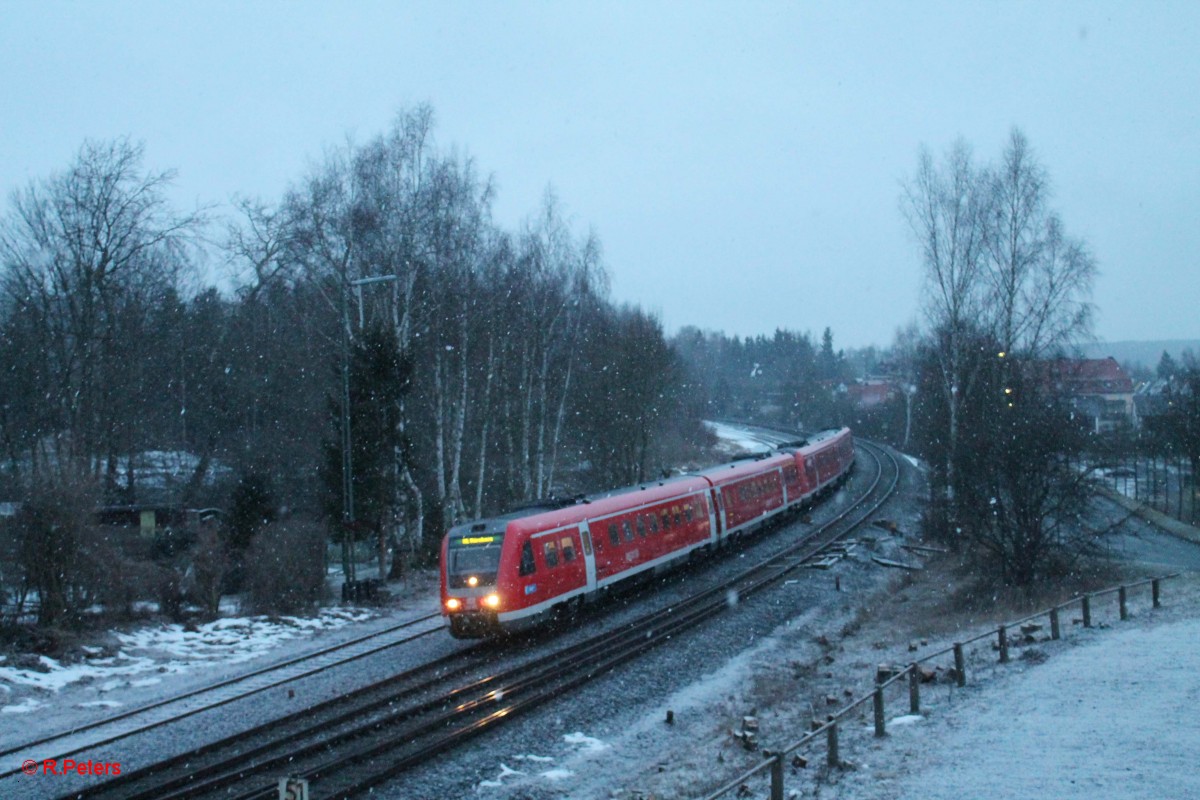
[{"x": 775, "y": 760}]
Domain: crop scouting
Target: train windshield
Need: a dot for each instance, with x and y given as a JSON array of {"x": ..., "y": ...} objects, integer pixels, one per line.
[{"x": 473, "y": 557}]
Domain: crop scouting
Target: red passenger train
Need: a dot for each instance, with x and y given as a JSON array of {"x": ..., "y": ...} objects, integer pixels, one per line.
[{"x": 507, "y": 572}]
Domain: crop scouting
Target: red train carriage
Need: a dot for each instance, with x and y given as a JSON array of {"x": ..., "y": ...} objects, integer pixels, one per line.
[
  {"x": 822, "y": 460},
  {"x": 748, "y": 493},
  {"x": 513, "y": 570}
]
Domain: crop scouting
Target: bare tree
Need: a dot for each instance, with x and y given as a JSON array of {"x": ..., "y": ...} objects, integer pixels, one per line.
[
  {"x": 945, "y": 208},
  {"x": 79, "y": 251},
  {"x": 1005, "y": 287},
  {"x": 1038, "y": 279}
]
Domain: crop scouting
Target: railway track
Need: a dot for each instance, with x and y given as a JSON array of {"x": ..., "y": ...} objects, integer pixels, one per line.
[
  {"x": 143, "y": 719},
  {"x": 348, "y": 745}
]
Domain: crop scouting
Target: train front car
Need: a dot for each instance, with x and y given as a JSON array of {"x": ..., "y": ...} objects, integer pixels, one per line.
[
  {"x": 520, "y": 569},
  {"x": 470, "y": 567},
  {"x": 513, "y": 571}
]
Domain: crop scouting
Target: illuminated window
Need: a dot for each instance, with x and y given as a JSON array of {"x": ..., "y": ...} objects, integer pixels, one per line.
[
  {"x": 568, "y": 549},
  {"x": 550, "y": 553}
]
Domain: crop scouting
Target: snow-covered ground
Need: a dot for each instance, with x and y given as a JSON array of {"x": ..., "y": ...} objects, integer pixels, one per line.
[
  {"x": 145, "y": 656},
  {"x": 1110, "y": 714},
  {"x": 735, "y": 441}
]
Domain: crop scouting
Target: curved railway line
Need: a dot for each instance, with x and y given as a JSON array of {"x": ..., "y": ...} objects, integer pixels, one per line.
[{"x": 357, "y": 741}]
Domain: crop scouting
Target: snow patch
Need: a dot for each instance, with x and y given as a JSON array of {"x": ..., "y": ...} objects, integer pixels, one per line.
[
  {"x": 172, "y": 649},
  {"x": 24, "y": 707},
  {"x": 101, "y": 704},
  {"x": 735, "y": 440},
  {"x": 907, "y": 719},
  {"x": 505, "y": 772},
  {"x": 586, "y": 743}
]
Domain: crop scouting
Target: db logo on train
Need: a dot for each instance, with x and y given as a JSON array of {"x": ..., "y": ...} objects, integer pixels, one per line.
[{"x": 293, "y": 789}]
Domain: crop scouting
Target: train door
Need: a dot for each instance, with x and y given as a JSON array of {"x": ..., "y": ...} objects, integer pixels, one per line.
[
  {"x": 719, "y": 506},
  {"x": 711, "y": 505},
  {"x": 589, "y": 556}
]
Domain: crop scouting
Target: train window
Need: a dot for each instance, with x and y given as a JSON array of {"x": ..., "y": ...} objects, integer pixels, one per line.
[
  {"x": 625, "y": 526},
  {"x": 587, "y": 543},
  {"x": 613, "y": 536},
  {"x": 568, "y": 549},
  {"x": 678, "y": 518},
  {"x": 550, "y": 552},
  {"x": 689, "y": 513},
  {"x": 527, "y": 566},
  {"x": 653, "y": 523},
  {"x": 641, "y": 527},
  {"x": 666, "y": 521}
]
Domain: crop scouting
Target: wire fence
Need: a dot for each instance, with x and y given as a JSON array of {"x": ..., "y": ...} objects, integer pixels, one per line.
[
  {"x": 915, "y": 673},
  {"x": 1165, "y": 484}
]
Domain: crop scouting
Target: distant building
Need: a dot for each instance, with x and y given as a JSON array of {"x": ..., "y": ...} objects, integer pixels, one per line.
[
  {"x": 1155, "y": 399},
  {"x": 871, "y": 392},
  {"x": 1098, "y": 388}
]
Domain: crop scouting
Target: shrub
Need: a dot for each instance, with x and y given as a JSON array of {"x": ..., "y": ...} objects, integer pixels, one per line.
[
  {"x": 285, "y": 567},
  {"x": 206, "y": 576},
  {"x": 51, "y": 534}
]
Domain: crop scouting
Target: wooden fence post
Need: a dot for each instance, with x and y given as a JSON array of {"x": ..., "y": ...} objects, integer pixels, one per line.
[
  {"x": 880, "y": 723},
  {"x": 914, "y": 689},
  {"x": 832, "y": 734},
  {"x": 1087, "y": 611},
  {"x": 960, "y": 664},
  {"x": 777, "y": 777},
  {"x": 1003, "y": 644},
  {"x": 1055, "y": 631},
  {"x": 1123, "y": 599},
  {"x": 1154, "y": 592}
]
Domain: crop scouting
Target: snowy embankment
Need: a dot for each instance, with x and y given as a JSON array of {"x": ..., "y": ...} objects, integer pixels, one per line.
[
  {"x": 1111, "y": 713},
  {"x": 146, "y": 656},
  {"x": 735, "y": 441}
]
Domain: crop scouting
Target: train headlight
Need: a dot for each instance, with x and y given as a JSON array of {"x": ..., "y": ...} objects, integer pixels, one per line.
[
  {"x": 472, "y": 581},
  {"x": 492, "y": 600},
  {"x": 453, "y": 604}
]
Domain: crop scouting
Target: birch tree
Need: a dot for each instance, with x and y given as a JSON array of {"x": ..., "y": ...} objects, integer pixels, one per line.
[{"x": 945, "y": 208}]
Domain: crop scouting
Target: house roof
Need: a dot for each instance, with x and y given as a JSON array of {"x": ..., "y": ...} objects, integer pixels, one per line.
[{"x": 1090, "y": 376}]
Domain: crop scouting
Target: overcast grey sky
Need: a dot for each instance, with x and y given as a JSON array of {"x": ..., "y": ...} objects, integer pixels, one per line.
[{"x": 740, "y": 162}]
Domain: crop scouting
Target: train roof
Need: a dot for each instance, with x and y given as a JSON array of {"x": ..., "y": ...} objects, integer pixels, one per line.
[{"x": 742, "y": 468}]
